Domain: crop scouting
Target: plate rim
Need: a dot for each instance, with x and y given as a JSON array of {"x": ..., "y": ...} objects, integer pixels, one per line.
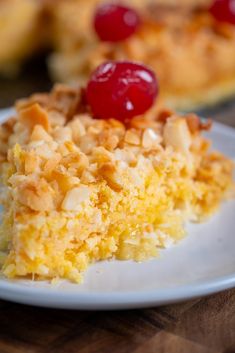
[
  {"x": 115, "y": 300},
  {"x": 50, "y": 298}
]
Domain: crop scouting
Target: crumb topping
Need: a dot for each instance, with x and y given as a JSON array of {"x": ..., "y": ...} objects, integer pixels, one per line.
[{"x": 62, "y": 151}]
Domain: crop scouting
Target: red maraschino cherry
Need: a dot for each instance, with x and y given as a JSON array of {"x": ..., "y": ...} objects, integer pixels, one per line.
[
  {"x": 121, "y": 90},
  {"x": 114, "y": 23},
  {"x": 223, "y": 11}
]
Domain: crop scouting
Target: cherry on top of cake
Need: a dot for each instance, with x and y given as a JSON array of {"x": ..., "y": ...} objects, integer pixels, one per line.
[
  {"x": 223, "y": 11},
  {"x": 115, "y": 22},
  {"x": 121, "y": 90}
]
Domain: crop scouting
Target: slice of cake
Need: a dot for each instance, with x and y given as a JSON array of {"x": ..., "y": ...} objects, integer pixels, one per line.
[
  {"x": 190, "y": 48},
  {"x": 79, "y": 189}
]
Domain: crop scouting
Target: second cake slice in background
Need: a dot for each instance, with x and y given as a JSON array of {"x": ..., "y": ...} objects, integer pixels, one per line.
[{"x": 191, "y": 52}]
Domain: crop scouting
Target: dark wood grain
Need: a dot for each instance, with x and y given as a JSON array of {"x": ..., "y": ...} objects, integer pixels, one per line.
[
  {"x": 204, "y": 325},
  {"x": 201, "y": 326},
  {"x": 211, "y": 322}
]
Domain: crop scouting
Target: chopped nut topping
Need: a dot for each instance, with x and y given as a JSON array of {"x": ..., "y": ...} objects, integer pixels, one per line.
[
  {"x": 78, "y": 129},
  {"x": 132, "y": 137},
  {"x": 196, "y": 125},
  {"x": 87, "y": 143},
  {"x": 108, "y": 140},
  {"x": 64, "y": 180},
  {"x": 32, "y": 163},
  {"x": 43, "y": 149},
  {"x": 164, "y": 115},
  {"x": 109, "y": 173},
  {"x": 40, "y": 134},
  {"x": 56, "y": 118},
  {"x": 51, "y": 164},
  {"x": 79, "y": 161},
  {"x": 42, "y": 99},
  {"x": 66, "y": 99},
  {"x": 177, "y": 135},
  {"x": 34, "y": 115},
  {"x": 67, "y": 150},
  {"x": 62, "y": 134},
  {"x": 150, "y": 139},
  {"x": 75, "y": 197},
  {"x": 101, "y": 156},
  {"x": 37, "y": 195}
]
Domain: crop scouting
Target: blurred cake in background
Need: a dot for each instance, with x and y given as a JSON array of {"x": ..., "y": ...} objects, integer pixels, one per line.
[
  {"x": 191, "y": 52},
  {"x": 25, "y": 26},
  {"x": 20, "y": 33}
]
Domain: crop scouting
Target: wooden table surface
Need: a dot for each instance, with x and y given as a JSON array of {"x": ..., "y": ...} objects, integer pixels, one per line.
[{"x": 204, "y": 325}]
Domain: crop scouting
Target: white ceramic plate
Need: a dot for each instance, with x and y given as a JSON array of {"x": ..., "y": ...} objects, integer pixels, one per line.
[{"x": 201, "y": 264}]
